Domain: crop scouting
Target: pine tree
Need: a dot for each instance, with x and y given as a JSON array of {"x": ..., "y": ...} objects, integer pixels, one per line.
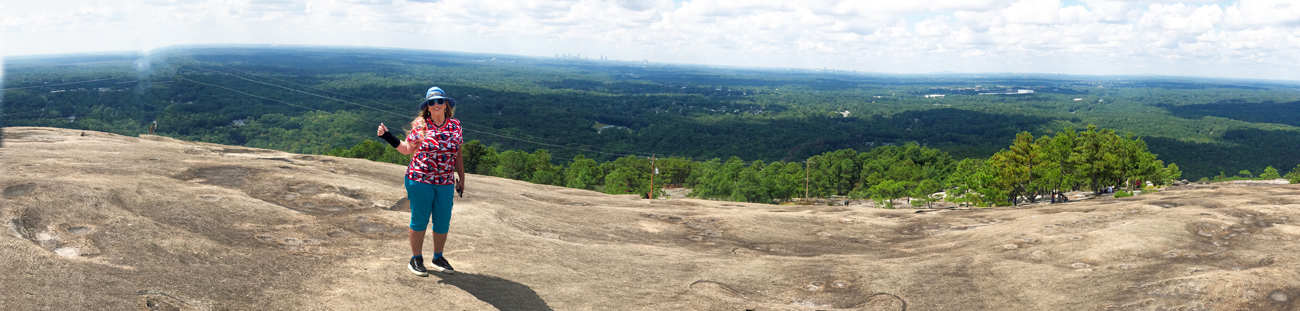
[
  {"x": 1294, "y": 175},
  {"x": 1023, "y": 157},
  {"x": 1269, "y": 173},
  {"x": 1140, "y": 165},
  {"x": 622, "y": 180},
  {"x": 513, "y": 164},
  {"x": 479, "y": 158},
  {"x": 923, "y": 193},
  {"x": 749, "y": 185},
  {"x": 835, "y": 172},
  {"x": 1096, "y": 158},
  {"x": 886, "y": 191},
  {"x": 1058, "y": 173},
  {"x": 783, "y": 181},
  {"x": 545, "y": 177},
  {"x": 1172, "y": 173},
  {"x": 965, "y": 183},
  {"x": 717, "y": 180},
  {"x": 1002, "y": 179},
  {"x": 581, "y": 173},
  {"x": 540, "y": 164}
]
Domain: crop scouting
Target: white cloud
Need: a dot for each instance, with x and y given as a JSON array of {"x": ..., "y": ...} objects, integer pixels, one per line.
[
  {"x": 1039, "y": 12},
  {"x": 1247, "y": 38},
  {"x": 1181, "y": 18},
  {"x": 866, "y": 8},
  {"x": 978, "y": 21},
  {"x": 933, "y": 27},
  {"x": 1247, "y": 14},
  {"x": 1111, "y": 11}
]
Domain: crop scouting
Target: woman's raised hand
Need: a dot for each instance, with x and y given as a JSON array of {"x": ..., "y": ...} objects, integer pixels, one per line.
[{"x": 381, "y": 130}]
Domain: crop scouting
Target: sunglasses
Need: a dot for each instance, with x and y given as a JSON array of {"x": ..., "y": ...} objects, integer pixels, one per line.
[{"x": 439, "y": 101}]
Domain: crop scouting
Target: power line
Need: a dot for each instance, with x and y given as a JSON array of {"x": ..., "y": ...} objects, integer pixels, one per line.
[
  {"x": 330, "y": 98},
  {"x": 137, "y": 81},
  {"x": 241, "y": 92},
  {"x": 546, "y": 144},
  {"x": 33, "y": 86},
  {"x": 381, "y": 110},
  {"x": 373, "y": 101},
  {"x": 312, "y": 94},
  {"x": 43, "y": 119},
  {"x": 18, "y": 113},
  {"x": 403, "y": 115},
  {"x": 559, "y": 141},
  {"x": 307, "y": 86}
]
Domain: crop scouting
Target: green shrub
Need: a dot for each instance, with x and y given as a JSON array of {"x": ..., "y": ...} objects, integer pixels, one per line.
[
  {"x": 1294, "y": 175},
  {"x": 1123, "y": 194},
  {"x": 1269, "y": 173}
]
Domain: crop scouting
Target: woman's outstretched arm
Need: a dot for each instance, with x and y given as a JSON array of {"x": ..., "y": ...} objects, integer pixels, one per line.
[{"x": 401, "y": 146}]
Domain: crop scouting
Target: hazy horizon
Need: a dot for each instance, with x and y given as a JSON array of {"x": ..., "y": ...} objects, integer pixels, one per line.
[
  {"x": 1040, "y": 75},
  {"x": 1247, "y": 39}
]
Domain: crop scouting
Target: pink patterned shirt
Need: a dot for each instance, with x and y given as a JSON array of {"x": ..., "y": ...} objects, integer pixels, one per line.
[{"x": 434, "y": 161}]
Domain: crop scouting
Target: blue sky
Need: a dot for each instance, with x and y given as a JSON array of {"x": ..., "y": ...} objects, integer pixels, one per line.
[{"x": 1233, "y": 39}]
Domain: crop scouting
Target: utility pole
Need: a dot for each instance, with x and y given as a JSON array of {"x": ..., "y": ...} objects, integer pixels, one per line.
[
  {"x": 806, "y": 173},
  {"x": 653, "y": 172}
]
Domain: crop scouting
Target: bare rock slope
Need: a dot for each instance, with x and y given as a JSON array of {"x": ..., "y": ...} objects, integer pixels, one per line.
[{"x": 108, "y": 222}]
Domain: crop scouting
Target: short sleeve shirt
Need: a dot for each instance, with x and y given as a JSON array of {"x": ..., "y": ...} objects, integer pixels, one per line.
[{"x": 434, "y": 161}]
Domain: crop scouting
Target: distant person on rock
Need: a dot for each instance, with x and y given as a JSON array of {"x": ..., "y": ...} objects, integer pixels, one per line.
[{"x": 434, "y": 143}]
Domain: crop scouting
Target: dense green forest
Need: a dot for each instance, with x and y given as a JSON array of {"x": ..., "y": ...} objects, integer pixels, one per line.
[{"x": 314, "y": 100}]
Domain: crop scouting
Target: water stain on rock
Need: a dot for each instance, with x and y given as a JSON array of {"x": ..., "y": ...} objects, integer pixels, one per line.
[
  {"x": 22, "y": 228},
  {"x": 718, "y": 291},
  {"x": 79, "y": 229},
  {"x": 883, "y": 302},
  {"x": 18, "y": 190},
  {"x": 403, "y": 205},
  {"x": 1278, "y": 296},
  {"x": 371, "y": 227},
  {"x": 307, "y": 189},
  {"x": 225, "y": 176},
  {"x": 159, "y": 301},
  {"x": 1165, "y": 204},
  {"x": 1266, "y": 261}
]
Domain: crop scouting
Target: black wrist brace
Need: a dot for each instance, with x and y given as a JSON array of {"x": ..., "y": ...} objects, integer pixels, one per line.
[{"x": 392, "y": 140}]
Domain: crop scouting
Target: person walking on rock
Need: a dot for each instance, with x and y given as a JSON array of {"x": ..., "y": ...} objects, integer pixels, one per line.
[{"x": 434, "y": 145}]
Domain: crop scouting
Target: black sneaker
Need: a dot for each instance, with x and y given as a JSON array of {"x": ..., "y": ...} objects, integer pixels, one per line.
[
  {"x": 417, "y": 266},
  {"x": 442, "y": 265}
]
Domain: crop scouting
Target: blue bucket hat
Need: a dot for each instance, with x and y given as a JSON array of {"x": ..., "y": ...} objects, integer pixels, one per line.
[{"x": 436, "y": 93}]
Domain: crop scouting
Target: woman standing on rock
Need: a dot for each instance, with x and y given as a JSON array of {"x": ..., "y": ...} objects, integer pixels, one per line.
[{"x": 435, "y": 140}]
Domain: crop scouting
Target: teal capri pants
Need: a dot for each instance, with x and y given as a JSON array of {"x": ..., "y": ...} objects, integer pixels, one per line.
[{"x": 429, "y": 200}]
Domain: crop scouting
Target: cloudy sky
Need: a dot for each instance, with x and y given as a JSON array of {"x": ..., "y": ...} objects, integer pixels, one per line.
[{"x": 1234, "y": 39}]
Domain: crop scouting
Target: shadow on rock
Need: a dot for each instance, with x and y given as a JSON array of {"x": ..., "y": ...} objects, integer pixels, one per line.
[{"x": 500, "y": 293}]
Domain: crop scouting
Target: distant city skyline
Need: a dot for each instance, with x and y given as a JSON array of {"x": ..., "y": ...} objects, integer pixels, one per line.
[{"x": 1253, "y": 39}]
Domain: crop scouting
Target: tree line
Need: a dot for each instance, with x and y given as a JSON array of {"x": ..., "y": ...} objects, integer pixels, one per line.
[{"x": 1028, "y": 170}]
